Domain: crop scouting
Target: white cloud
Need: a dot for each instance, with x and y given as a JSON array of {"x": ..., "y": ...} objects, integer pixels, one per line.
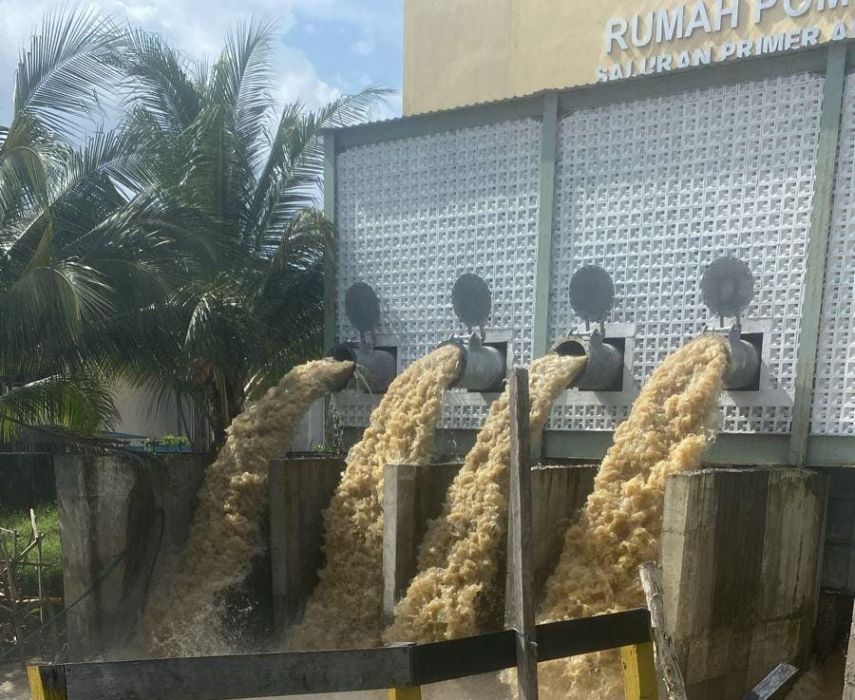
[
  {"x": 376, "y": 18},
  {"x": 300, "y": 81},
  {"x": 365, "y": 46},
  {"x": 198, "y": 28}
]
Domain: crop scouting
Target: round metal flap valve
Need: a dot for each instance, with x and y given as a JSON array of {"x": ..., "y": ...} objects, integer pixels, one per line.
[
  {"x": 727, "y": 287},
  {"x": 471, "y": 299},
  {"x": 362, "y": 307},
  {"x": 592, "y": 293}
]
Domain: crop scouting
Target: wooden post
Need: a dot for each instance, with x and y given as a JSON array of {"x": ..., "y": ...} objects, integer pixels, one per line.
[
  {"x": 47, "y": 682},
  {"x": 849, "y": 672},
  {"x": 520, "y": 562},
  {"x": 639, "y": 672},
  {"x": 399, "y": 547},
  {"x": 37, "y": 538},
  {"x": 666, "y": 655}
]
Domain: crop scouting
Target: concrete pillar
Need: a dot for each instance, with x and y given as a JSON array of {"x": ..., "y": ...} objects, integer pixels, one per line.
[
  {"x": 740, "y": 557},
  {"x": 120, "y": 518},
  {"x": 412, "y": 496}
]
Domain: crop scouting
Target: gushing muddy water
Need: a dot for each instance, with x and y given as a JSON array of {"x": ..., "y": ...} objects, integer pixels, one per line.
[
  {"x": 185, "y": 611},
  {"x": 458, "y": 561},
  {"x": 667, "y": 431},
  {"x": 346, "y": 607}
]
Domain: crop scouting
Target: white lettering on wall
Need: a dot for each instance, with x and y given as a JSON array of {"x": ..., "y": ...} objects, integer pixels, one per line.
[
  {"x": 839, "y": 32},
  {"x": 732, "y": 11},
  {"x": 669, "y": 25},
  {"x": 702, "y": 57},
  {"x": 771, "y": 43},
  {"x": 707, "y": 17},
  {"x": 639, "y": 40},
  {"x": 615, "y": 31},
  {"x": 796, "y": 11},
  {"x": 810, "y": 36},
  {"x": 698, "y": 19}
]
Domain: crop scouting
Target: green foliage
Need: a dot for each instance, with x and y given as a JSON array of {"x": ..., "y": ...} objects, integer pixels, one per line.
[
  {"x": 168, "y": 441},
  {"x": 47, "y": 517},
  {"x": 181, "y": 251},
  {"x": 252, "y": 176}
]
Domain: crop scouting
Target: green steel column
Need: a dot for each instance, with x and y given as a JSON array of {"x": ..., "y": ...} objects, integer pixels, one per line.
[
  {"x": 549, "y": 140},
  {"x": 330, "y": 256},
  {"x": 832, "y": 104}
]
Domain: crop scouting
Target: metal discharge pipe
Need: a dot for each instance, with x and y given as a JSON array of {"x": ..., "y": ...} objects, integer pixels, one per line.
[
  {"x": 375, "y": 369},
  {"x": 744, "y": 365},
  {"x": 604, "y": 369},
  {"x": 481, "y": 367}
]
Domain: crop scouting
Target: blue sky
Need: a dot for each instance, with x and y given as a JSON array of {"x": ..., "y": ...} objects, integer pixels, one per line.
[{"x": 324, "y": 47}]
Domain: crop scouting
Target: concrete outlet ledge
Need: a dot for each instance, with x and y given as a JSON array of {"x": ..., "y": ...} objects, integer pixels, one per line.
[{"x": 741, "y": 551}]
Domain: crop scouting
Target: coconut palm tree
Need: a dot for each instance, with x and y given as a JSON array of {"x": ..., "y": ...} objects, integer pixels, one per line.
[
  {"x": 181, "y": 250},
  {"x": 215, "y": 140},
  {"x": 86, "y": 242}
]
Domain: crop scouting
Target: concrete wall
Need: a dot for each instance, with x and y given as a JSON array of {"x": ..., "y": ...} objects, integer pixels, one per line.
[
  {"x": 487, "y": 51},
  {"x": 300, "y": 491},
  {"x": 740, "y": 556},
  {"x": 109, "y": 506},
  {"x": 838, "y": 570},
  {"x": 141, "y": 413}
]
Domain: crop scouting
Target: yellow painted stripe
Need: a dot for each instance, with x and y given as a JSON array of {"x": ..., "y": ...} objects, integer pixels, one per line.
[{"x": 639, "y": 672}]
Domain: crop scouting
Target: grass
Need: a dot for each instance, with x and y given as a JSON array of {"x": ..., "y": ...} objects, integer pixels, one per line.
[{"x": 48, "y": 521}]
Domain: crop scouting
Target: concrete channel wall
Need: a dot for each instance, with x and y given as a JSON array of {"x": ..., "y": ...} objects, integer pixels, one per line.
[
  {"x": 120, "y": 519},
  {"x": 741, "y": 551}
]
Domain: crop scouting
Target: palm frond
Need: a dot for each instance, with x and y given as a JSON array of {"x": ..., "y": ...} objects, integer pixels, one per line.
[
  {"x": 80, "y": 404},
  {"x": 60, "y": 74},
  {"x": 242, "y": 77},
  {"x": 160, "y": 81}
]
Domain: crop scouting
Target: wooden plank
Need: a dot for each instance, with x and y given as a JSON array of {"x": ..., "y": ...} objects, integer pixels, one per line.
[
  {"x": 820, "y": 226},
  {"x": 399, "y": 546},
  {"x": 468, "y": 656},
  {"x": 520, "y": 565},
  {"x": 585, "y": 635},
  {"x": 666, "y": 654},
  {"x": 300, "y": 491},
  {"x": 240, "y": 676},
  {"x": 46, "y": 682},
  {"x": 774, "y": 684},
  {"x": 399, "y": 667},
  {"x": 639, "y": 672}
]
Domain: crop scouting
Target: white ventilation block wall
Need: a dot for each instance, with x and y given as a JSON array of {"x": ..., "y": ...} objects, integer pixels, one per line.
[
  {"x": 653, "y": 190},
  {"x": 415, "y": 214},
  {"x": 834, "y": 397}
]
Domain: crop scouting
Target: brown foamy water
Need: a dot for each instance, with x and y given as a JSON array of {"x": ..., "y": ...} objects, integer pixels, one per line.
[
  {"x": 459, "y": 557},
  {"x": 345, "y": 610},
  {"x": 185, "y": 611},
  {"x": 667, "y": 431}
]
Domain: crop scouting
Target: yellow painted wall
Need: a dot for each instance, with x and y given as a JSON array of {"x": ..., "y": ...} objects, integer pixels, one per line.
[{"x": 459, "y": 52}]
